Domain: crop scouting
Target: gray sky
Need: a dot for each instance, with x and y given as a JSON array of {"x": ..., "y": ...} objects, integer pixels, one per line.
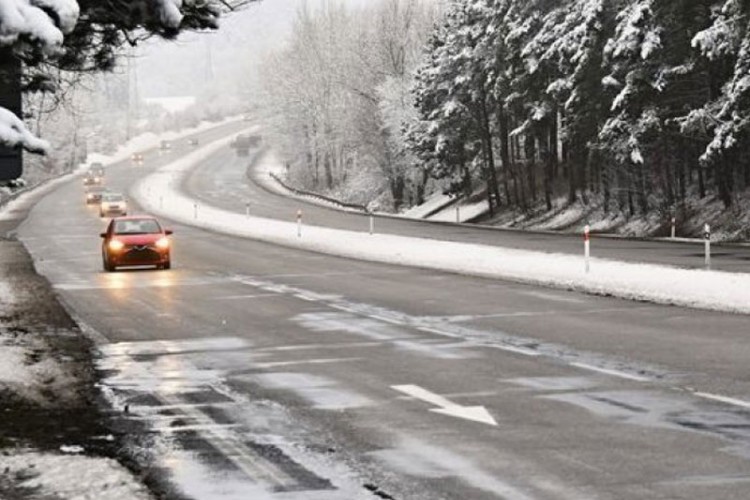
[{"x": 182, "y": 67}]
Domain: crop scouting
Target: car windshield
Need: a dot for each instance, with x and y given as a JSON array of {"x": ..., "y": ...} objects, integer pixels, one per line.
[
  {"x": 136, "y": 226},
  {"x": 96, "y": 190},
  {"x": 113, "y": 197}
]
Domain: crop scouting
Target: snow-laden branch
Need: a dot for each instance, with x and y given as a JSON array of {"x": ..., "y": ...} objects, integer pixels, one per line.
[
  {"x": 13, "y": 133},
  {"x": 44, "y": 21}
]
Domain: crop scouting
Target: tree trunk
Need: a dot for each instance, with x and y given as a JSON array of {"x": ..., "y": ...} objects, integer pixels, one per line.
[
  {"x": 530, "y": 151},
  {"x": 487, "y": 128},
  {"x": 504, "y": 150},
  {"x": 11, "y": 160}
]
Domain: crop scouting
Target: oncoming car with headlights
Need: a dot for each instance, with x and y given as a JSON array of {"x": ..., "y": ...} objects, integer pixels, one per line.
[
  {"x": 113, "y": 204},
  {"x": 136, "y": 241},
  {"x": 94, "y": 194}
]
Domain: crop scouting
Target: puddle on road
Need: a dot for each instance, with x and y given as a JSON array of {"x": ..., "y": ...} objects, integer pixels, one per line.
[
  {"x": 379, "y": 331},
  {"x": 211, "y": 443},
  {"x": 657, "y": 409},
  {"x": 321, "y": 392}
]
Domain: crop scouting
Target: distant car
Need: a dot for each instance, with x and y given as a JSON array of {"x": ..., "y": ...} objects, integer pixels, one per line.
[
  {"x": 113, "y": 204},
  {"x": 193, "y": 141},
  {"x": 137, "y": 158},
  {"x": 97, "y": 169},
  {"x": 135, "y": 241},
  {"x": 92, "y": 179},
  {"x": 165, "y": 145},
  {"x": 243, "y": 142},
  {"x": 94, "y": 194}
]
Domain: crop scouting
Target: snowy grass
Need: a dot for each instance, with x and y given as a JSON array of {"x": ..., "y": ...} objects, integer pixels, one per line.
[
  {"x": 73, "y": 476},
  {"x": 661, "y": 284}
]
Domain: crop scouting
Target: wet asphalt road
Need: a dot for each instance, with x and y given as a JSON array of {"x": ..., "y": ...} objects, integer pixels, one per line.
[{"x": 266, "y": 372}]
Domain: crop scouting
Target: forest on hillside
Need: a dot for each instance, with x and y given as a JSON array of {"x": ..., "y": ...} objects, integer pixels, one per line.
[{"x": 636, "y": 105}]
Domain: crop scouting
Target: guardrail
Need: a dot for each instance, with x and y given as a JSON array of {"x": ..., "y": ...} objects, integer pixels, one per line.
[{"x": 310, "y": 194}]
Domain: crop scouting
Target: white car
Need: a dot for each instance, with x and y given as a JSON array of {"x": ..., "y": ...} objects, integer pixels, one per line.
[{"x": 113, "y": 204}]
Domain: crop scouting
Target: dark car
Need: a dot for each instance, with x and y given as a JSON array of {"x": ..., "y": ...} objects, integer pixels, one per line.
[
  {"x": 94, "y": 194},
  {"x": 113, "y": 204},
  {"x": 137, "y": 158},
  {"x": 193, "y": 141},
  {"x": 135, "y": 241},
  {"x": 242, "y": 143},
  {"x": 165, "y": 145}
]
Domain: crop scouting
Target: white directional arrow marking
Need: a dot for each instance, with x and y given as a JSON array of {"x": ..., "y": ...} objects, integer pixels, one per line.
[{"x": 446, "y": 407}]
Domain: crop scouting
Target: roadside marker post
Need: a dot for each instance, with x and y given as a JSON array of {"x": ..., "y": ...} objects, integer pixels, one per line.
[
  {"x": 458, "y": 214},
  {"x": 707, "y": 238},
  {"x": 299, "y": 223},
  {"x": 587, "y": 247},
  {"x": 372, "y": 224},
  {"x": 674, "y": 230},
  {"x": 195, "y": 211},
  {"x": 247, "y": 209}
]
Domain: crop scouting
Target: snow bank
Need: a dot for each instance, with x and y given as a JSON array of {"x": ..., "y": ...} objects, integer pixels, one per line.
[
  {"x": 433, "y": 204},
  {"x": 661, "y": 284},
  {"x": 466, "y": 212},
  {"x": 72, "y": 476}
]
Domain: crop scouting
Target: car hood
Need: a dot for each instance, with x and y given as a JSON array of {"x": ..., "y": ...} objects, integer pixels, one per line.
[{"x": 139, "y": 239}]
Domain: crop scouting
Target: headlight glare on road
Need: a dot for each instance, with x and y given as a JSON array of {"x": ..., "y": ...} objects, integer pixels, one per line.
[
  {"x": 162, "y": 243},
  {"x": 116, "y": 245}
]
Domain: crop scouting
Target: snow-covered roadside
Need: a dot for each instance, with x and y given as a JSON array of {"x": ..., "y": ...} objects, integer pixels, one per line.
[
  {"x": 693, "y": 288},
  {"x": 72, "y": 476}
]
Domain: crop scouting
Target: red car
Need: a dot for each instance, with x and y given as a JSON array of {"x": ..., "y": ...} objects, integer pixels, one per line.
[{"x": 135, "y": 241}]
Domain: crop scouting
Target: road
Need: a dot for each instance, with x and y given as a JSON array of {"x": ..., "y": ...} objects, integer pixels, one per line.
[
  {"x": 223, "y": 183},
  {"x": 257, "y": 371}
]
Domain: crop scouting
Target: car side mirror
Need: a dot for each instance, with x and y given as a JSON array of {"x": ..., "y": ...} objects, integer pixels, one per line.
[
  {"x": 103, "y": 235},
  {"x": 168, "y": 232}
]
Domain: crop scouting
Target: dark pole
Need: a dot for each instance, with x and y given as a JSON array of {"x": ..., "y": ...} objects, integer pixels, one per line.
[{"x": 11, "y": 159}]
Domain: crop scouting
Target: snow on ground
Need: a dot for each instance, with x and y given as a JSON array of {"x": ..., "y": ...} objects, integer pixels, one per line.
[
  {"x": 717, "y": 290},
  {"x": 466, "y": 212},
  {"x": 72, "y": 476},
  {"x": 27, "y": 377},
  {"x": 433, "y": 204}
]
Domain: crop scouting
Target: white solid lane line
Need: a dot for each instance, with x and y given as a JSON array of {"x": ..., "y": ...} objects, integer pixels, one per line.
[
  {"x": 723, "y": 399},
  {"x": 614, "y": 373}
]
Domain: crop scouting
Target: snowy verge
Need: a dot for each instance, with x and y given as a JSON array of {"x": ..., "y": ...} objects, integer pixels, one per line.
[
  {"x": 69, "y": 475},
  {"x": 661, "y": 284}
]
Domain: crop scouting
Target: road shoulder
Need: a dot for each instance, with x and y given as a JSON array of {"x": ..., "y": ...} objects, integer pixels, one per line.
[{"x": 56, "y": 437}]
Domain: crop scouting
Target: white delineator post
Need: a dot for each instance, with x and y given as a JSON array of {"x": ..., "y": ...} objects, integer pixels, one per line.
[
  {"x": 458, "y": 213},
  {"x": 707, "y": 238},
  {"x": 587, "y": 247},
  {"x": 372, "y": 224},
  {"x": 299, "y": 223},
  {"x": 674, "y": 230},
  {"x": 247, "y": 209},
  {"x": 195, "y": 211}
]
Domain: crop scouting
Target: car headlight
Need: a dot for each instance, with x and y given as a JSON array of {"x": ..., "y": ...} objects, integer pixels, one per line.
[
  {"x": 162, "y": 243},
  {"x": 116, "y": 245},
  {"x": 89, "y": 196}
]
